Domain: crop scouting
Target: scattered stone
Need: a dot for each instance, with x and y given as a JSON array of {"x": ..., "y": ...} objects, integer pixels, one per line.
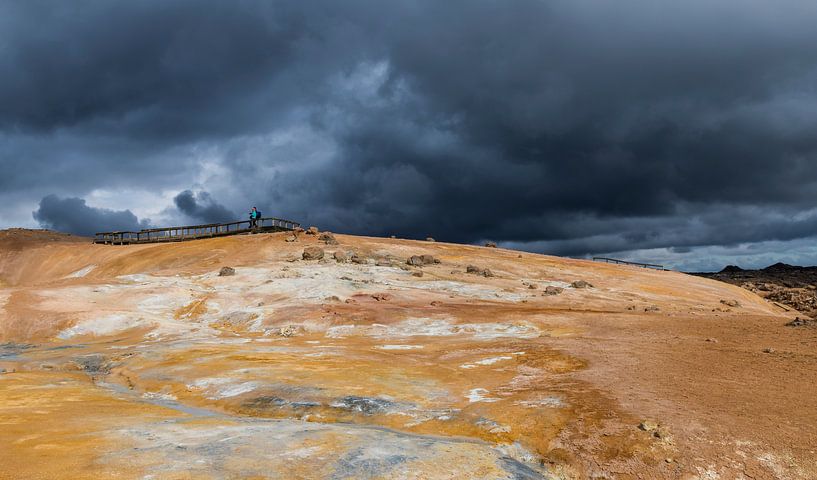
[
  {"x": 359, "y": 259},
  {"x": 429, "y": 239},
  {"x": 479, "y": 271},
  {"x": 94, "y": 364},
  {"x": 768, "y": 350},
  {"x": 333, "y": 298},
  {"x": 384, "y": 262},
  {"x": 415, "y": 261},
  {"x": 661, "y": 433},
  {"x": 312, "y": 231},
  {"x": 631, "y": 307},
  {"x": 381, "y": 297},
  {"x": 551, "y": 290},
  {"x": 648, "y": 425},
  {"x": 581, "y": 284},
  {"x": 652, "y": 308},
  {"x": 340, "y": 256},
  {"x": 711, "y": 340},
  {"x": 802, "y": 322},
  {"x": 226, "y": 272},
  {"x": 490, "y": 244},
  {"x": 313, "y": 253},
  {"x": 436, "y": 303},
  {"x": 519, "y": 256},
  {"x": 346, "y": 278},
  {"x": 291, "y": 238},
  {"x": 328, "y": 238},
  {"x": 731, "y": 303},
  {"x": 350, "y": 300},
  {"x": 418, "y": 273},
  {"x": 420, "y": 260},
  {"x": 288, "y": 331}
]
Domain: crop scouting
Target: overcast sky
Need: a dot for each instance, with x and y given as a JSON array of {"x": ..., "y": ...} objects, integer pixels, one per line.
[{"x": 683, "y": 133}]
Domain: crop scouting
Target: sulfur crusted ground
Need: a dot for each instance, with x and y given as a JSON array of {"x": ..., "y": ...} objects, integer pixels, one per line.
[{"x": 143, "y": 362}]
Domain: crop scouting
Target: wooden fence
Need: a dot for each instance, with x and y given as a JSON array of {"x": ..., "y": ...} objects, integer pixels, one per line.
[{"x": 192, "y": 232}]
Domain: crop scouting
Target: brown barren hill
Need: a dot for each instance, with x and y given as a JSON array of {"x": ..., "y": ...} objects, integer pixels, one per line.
[{"x": 156, "y": 360}]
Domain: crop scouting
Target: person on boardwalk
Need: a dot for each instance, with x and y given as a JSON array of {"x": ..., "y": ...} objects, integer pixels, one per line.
[{"x": 254, "y": 216}]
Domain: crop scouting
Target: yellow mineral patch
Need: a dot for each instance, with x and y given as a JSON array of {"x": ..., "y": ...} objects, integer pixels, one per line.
[{"x": 142, "y": 362}]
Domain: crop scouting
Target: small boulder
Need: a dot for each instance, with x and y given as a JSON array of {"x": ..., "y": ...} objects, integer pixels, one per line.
[
  {"x": 731, "y": 303},
  {"x": 551, "y": 290},
  {"x": 490, "y": 244},
  {"x": 581, "y": 284},
  {"x": 479, "y": 271},
  {"x": 313, "y": 253},
  {"x": 429, "y": 239},
  {"x": 768, "y": 350},
  {"x": 291, "y": 238},
  {"x": 298, "y": 230},
  {"x": 648, "y": 426},
  {"x": 359, "y": 259},
  {"x": 340, "y": 256},
  {"x": 288, "y": 331},
  {"x": 327, "y": 238},
  {"x": 415, "y": 261},
  {"x": 418, "y": 273},
  {"x": 429, "y": 259},
  {"x": 226, "y": 272},
  {"x": 381, "y": 297},
  {"x": 312, "y": 231}
]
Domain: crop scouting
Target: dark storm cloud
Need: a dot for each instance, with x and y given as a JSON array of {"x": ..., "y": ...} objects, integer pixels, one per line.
[
  {"x": 568, "y": 126},
  {"x": 201, "y": 207},
  {"x": 74, "y": 216}
]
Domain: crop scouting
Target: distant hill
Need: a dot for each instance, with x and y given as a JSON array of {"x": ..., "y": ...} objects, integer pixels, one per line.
[{"x": 790, "y": 285}]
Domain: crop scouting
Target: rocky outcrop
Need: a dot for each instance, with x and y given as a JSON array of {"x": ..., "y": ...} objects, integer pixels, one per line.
[{"x": 313, "y": 253}]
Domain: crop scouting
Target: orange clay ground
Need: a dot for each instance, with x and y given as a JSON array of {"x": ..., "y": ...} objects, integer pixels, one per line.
[{"x": 143, "y": 362}]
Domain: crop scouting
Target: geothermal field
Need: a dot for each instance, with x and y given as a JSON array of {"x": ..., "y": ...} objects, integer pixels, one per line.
[{"x": 388, "y": 358}]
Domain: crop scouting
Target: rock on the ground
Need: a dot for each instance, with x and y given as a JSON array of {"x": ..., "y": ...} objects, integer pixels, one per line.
[
  {"x": 313, "y": 253},
  {"x": 479, "y": 271},
  {"x": 291, "y": 238},
  {"x": 327, "y": 238},
  {"x": 490, "y": 244},
  {"x": 551, "y": 290},
  {"x": 288, "y": 331},
  {"x": 429, "y": 239},
  {"x": 731, "y": 303},
  {"x": 359, "y": 258},
  {"x": 226, "y": 272},
  {"x": 802, "y": 322},
  {"x": 312, "y": 231},
  {"x": 581, "y": 284},
  {"x": 341, "y": 256}
]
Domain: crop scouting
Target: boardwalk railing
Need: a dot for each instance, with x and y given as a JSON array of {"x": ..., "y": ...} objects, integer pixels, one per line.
[
  {"x": 191, "y": 232},
  {"x": 625, "y": 262}
]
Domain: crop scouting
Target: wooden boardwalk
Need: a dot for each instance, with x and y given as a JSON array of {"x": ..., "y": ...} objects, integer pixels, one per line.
[
  {"x": 193, "y": 232},
  {"x": 625, "y": 262}
]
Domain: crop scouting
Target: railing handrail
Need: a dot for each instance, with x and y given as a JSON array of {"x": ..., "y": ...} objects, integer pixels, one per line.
[
  {"x": 626, "y": 262},
  {"x": 207, "y": 225}
]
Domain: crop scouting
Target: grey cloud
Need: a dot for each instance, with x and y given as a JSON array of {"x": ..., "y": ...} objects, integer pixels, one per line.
[
  {"x": 567, "y": 127},
  {"x": 201, "y": 207},
  {"x": 73, "y": 215}
]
